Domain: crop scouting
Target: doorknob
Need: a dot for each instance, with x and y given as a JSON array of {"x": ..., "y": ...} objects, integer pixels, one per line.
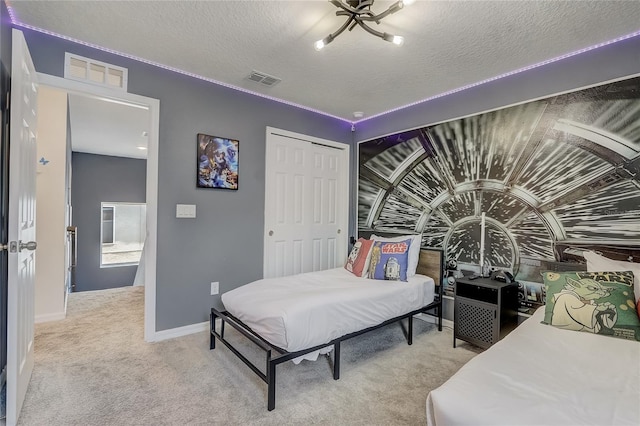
[{"x": 31, "y": 245}]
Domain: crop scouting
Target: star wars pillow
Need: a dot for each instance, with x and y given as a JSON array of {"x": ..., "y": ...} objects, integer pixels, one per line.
[
  {"x": 389, "y": 260},
  {"x": 595, "y": 302},
  {"x": 595, "y": 262},
  {"x": 358, "y": 260},
  {"x": 414, "y": 249}
]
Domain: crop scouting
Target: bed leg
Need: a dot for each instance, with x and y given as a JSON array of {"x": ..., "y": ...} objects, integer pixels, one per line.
[
  {"x": 271, "y": 383},
  {"x": 440, "y": 317},
  {"x": 410, "y": 331},
  {"x": 212, "y": 338},
  {"x": 336, "y": 361}
]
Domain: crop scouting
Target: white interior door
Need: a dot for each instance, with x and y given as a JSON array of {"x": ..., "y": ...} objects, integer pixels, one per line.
[
  {"x": 306, "y": 203},
  {"x": 22, "y": 226}
]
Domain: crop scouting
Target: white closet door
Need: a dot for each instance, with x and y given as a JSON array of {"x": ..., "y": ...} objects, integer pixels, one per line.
[{"x": 306, "y": 203}]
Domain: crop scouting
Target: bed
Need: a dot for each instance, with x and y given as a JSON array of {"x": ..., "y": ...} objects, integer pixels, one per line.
[
  {"x": 543, "y": 375},
  {"x": 301, "y": 316}
]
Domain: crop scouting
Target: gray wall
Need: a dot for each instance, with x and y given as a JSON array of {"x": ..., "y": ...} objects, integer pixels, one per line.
[
  {"x": 224, "y": 242},
  {"x": 95, "y": 179},
  {"x": 606, "y": 63}
]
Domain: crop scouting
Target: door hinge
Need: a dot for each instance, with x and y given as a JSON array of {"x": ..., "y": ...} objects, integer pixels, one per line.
[{"x": 12, "y": 247}]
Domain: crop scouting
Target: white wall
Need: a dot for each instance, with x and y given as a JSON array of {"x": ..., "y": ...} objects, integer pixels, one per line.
[{"x": 50, "y": 205}]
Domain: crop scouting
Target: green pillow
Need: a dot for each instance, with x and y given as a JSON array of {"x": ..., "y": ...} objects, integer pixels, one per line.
[{"x": 595, "y": 302}]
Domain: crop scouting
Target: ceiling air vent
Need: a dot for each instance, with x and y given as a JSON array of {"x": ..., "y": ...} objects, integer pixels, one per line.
[{"x": 264, "y": 79}]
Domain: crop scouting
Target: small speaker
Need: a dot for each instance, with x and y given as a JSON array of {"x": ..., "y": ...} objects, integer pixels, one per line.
[{"x": 502, "y": 276}]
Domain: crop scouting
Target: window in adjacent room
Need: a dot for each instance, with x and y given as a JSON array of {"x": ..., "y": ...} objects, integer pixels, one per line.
[{"x": 122, "y": 232}]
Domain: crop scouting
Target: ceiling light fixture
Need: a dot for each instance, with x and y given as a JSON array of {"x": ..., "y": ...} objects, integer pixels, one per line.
[{"x": 359, "y": 13}]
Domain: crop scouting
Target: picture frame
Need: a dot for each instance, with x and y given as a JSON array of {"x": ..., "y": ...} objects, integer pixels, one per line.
[{"x": 216, "y": 162}]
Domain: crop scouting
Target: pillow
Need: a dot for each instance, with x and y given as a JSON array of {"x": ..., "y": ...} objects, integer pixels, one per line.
[
  {"x": 596, "y": 263},
  {"x": 414, "y": 249},
  {"x": 358, "y": 260},
  {"x": 389, "y": 260},
  {"x": 595, "y": 302}
]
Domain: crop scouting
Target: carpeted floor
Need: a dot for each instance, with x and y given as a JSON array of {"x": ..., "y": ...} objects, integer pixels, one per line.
[{"x": 94, "y": 368}]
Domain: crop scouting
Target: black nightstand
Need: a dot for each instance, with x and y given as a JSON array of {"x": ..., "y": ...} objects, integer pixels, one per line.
[{"x": 484, "y": 310}]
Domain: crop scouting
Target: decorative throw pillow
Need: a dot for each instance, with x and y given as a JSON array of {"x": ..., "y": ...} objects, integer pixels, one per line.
[
  {"x": 389, "y": 260},
  {"x": 595, "y": 302},
  {"x": 596, "y": 263},
  {"x": 358, "y": 260},
  {"x": 414, "y": 249}
]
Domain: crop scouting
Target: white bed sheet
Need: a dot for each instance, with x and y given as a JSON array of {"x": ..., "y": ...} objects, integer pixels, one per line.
[
  {"x": 301, "y": 311},
  {"x": 541, "y": 375}
]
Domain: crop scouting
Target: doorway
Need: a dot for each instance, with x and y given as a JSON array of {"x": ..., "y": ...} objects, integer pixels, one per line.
[
  {"x": 108, "y": 192},
  {"x": 151, "y": 188}
]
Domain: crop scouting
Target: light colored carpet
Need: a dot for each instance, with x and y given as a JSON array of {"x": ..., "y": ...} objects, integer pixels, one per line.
[{"x": 94, "y": 368}]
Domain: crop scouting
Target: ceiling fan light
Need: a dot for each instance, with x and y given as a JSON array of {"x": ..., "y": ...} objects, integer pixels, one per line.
[
  {"x": 398, "y": 40},
  {"x": 358, "y": 12},
  {"x": 320, "y": 44}
]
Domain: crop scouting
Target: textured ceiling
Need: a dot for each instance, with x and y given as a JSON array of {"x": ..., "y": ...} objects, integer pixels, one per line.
[
  {"x": 448, "y": 44},
  {"x": 102, "y": 126}
]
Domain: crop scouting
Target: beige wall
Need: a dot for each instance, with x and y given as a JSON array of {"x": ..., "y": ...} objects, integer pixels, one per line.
[{"x": 50, "y": 213}]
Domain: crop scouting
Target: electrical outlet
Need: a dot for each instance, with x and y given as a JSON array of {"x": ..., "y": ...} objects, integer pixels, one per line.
[{"x": 215, "y": 288}]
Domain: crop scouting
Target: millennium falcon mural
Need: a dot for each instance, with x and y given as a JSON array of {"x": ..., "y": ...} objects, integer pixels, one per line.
[{"x": 552, "y": 176}]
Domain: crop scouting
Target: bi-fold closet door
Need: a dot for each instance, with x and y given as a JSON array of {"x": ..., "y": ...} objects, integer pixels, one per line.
[{"x": 306, "y": 203}]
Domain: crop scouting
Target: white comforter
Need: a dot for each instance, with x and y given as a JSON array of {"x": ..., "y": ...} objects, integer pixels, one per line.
[
  {"x": 306, "y": 310},
  {"x": 541, "y": 375}
]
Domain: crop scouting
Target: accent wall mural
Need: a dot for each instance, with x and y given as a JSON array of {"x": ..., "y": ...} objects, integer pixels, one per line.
[{"x": 552, "y": 177}]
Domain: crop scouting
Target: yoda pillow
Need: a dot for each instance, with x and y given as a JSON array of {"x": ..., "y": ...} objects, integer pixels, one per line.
[{"x": 595, "y": 302}]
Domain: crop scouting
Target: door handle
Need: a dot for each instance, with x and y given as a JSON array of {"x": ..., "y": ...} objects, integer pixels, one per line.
[{"x": 31, "y": 245}]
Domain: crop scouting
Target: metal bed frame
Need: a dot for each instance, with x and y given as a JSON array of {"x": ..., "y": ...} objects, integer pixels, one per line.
[{"x": 276, "y": 355}]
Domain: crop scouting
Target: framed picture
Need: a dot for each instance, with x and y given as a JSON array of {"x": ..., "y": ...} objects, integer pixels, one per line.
[{"x": 217, "y": 162}]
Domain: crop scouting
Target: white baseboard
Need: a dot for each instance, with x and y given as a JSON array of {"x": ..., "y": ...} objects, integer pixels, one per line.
[
  {"x": 172, "y": 333},
  {"x": 50, "y": 317},
  {"x": 434, "y": 320}
]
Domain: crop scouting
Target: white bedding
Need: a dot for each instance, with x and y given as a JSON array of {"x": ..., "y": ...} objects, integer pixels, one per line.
[
  {"x": 541, "y": 375},
  {"x": 306, "y": 310}
]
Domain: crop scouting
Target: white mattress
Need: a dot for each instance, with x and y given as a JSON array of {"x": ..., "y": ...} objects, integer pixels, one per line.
[
  {"x": 306, "y": 310},
  {"x": 541, "y": 375}
]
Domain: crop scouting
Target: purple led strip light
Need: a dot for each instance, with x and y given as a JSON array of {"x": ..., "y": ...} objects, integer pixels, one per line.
[
  {"x": 507, "y": 74},
  {"x": 17, "y": 23}
]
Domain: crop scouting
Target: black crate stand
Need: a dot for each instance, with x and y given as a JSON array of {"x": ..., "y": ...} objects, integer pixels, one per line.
[{"x": 484, "y": 310}]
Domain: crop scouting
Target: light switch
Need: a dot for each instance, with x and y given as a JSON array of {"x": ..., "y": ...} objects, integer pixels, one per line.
[{"x": 185, "y": 210}]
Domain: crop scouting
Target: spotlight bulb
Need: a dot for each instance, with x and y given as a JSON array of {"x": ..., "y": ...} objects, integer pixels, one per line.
[
  {"x": 398, "y": 40},
  {"x": 322, "y": 43}
]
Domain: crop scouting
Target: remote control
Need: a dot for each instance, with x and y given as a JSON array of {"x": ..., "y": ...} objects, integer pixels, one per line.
[{"x": 473, "y": 277}]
